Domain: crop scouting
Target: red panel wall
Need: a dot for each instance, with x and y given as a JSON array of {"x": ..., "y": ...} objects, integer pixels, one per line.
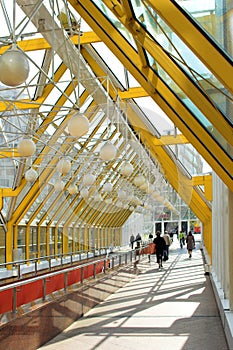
[
  {"x": 29, "y": 292},
  {"x": 54, "y": 283},
  {"x": 34, "y": 290},
  {"x": 6, "y": 300},
  {"x": 74, "y": 277}
]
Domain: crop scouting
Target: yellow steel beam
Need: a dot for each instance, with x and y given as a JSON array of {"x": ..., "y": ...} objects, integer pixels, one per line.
[
  {"x": 186, "y": 84},
  {"x": 218, "y": 63},
  {"x": 155, "y": 87},
  {"x": 42, "y": 44},
  {"x": 133, "y": 92},
  {"x": 206, "y": 181}
]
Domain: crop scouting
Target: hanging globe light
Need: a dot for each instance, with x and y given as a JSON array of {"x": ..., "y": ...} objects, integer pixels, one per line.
[
  {"x": 131, "y": 208},
  {"x": 78, "y": 125},
  {"x": 119, "y": 204},
  {"x": 121, "y": 194},
  {"x": 108, "y": 200},
  {"x": 84, "y": 193},
  {"x": 26, "y": 147},
  {"x": 89, "y": 179},
  {"x": 126, "y": 169},
  {"x": 59, "y": 185},
  {"x": 139, "y": 180},
  {"x": 144, "y": 186},
  {"x": 72, "y": 189},
  {"x": 64, "y": 166},
  {"x": 155, "y": 195},
  {"x": 14, "y": 67},
  {"x": 108, "y": 151},
  {"x": 30, "y": 175},
  {"x": 107, "y": 187},
  {"x": 98, "y": 197}
]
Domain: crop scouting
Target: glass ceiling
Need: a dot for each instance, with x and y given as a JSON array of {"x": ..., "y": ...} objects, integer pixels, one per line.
[{"x": 72, "y": 68}]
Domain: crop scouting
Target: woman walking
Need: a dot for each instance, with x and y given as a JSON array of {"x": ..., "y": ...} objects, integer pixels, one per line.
[{"x": 190, "y": 243}]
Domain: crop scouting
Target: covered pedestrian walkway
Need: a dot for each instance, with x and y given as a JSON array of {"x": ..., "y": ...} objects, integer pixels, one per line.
[{"x": 172, "y": 308}]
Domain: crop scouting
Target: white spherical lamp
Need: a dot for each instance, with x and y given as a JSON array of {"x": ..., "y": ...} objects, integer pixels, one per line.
[
  {"x": 98, "y": 197},
  {"x": 31, "y": 175},
  {"x": 155, "y": 195},
  {"x": 126, "y": 169},
  {"x": 84, "y": 193},
  {"x": 119, "y": 204},
  {"x": 72, "y": 189},
  {"x": 107, "y": 187},
  {"x": 26, "y": 147},
  {"x": 108, "y": 200},
  {"x": 59, "y": 185},
  {"x": 121, "y": 194},
  {"x": 14, "y": 67},
  {"x": 78, "y": 125},
  {"x": 64, "y": 166},
  {"x": 139, "y": 180},
  {"x": 144, "y": 186},
  {"x": 131, "y": 208},
  {"x": 108, "y": 151},
  {"x": 89, "y": 179}
]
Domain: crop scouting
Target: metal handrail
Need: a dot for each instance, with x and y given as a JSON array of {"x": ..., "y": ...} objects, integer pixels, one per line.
[
  {"x": 47, "y": 257},
  {"x": 15, "y": 286}
]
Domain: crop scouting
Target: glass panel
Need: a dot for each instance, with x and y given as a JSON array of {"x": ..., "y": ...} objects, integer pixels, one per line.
[
  {"x": 42, "y": 241},
  {"x": 33, "y": 248},
  {"x": 21, "y": 240},
  {"x": 195, "y": 111},
  {"x": 111, "y": 61},
  {"x": 155, "y": 114},
  {"x": 184, "y": 57},
  {"x": 119, "y": 26},
  {"x": 215, "y": 16}
]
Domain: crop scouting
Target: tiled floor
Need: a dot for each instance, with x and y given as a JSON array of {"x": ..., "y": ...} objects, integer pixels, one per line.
[{"x": 168, "y": 309}]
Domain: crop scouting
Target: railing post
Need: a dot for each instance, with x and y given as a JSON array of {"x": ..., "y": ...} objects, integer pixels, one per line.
[
  {"x": 36, "y": 267},
  {"x": 44, "y": 288},
  {"x": 82, "y": 275},
  {"x": 104, "y": 265},
  {"x": 14, "y": 299},
  {"x": 113, "y": 263},
  {"x": 125, "y": 258},
  {"x": 94, "y": 270},
  {"x": 65, "y": 281},
  {"x": 119, "y": 264}
]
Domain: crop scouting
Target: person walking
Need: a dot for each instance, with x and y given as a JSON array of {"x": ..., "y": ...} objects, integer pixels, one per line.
[
  {"x": 132, "y": 239},
  {"x": 138, "y": 238},
  {"x": 190, "y": 243},
  {"x": 160, "y": 246},
  {"x": 181, "y": 239},
  {"x": 168, "y": 243}
]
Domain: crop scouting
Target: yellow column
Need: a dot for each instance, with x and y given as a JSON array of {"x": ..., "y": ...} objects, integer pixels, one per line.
[
  {"x": 27, "y": 242},
  {"x": 65, "y": 240},
  {"x": 47, "y": 252},
  {"x": 85, "y": 239},
  {"x": 56, "y": 240},
  {"x": 38, "y": 240},
  {"x": 9, "y": 243}
]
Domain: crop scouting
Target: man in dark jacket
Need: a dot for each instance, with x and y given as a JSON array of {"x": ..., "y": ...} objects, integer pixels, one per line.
[{"x": 160, "y": 246}]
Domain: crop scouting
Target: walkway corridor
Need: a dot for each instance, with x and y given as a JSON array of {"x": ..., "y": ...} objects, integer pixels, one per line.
[{"x": 168, "y": 309}]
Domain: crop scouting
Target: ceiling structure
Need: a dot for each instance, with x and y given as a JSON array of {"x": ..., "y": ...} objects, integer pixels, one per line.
[{"x": 116, "y": 62}]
